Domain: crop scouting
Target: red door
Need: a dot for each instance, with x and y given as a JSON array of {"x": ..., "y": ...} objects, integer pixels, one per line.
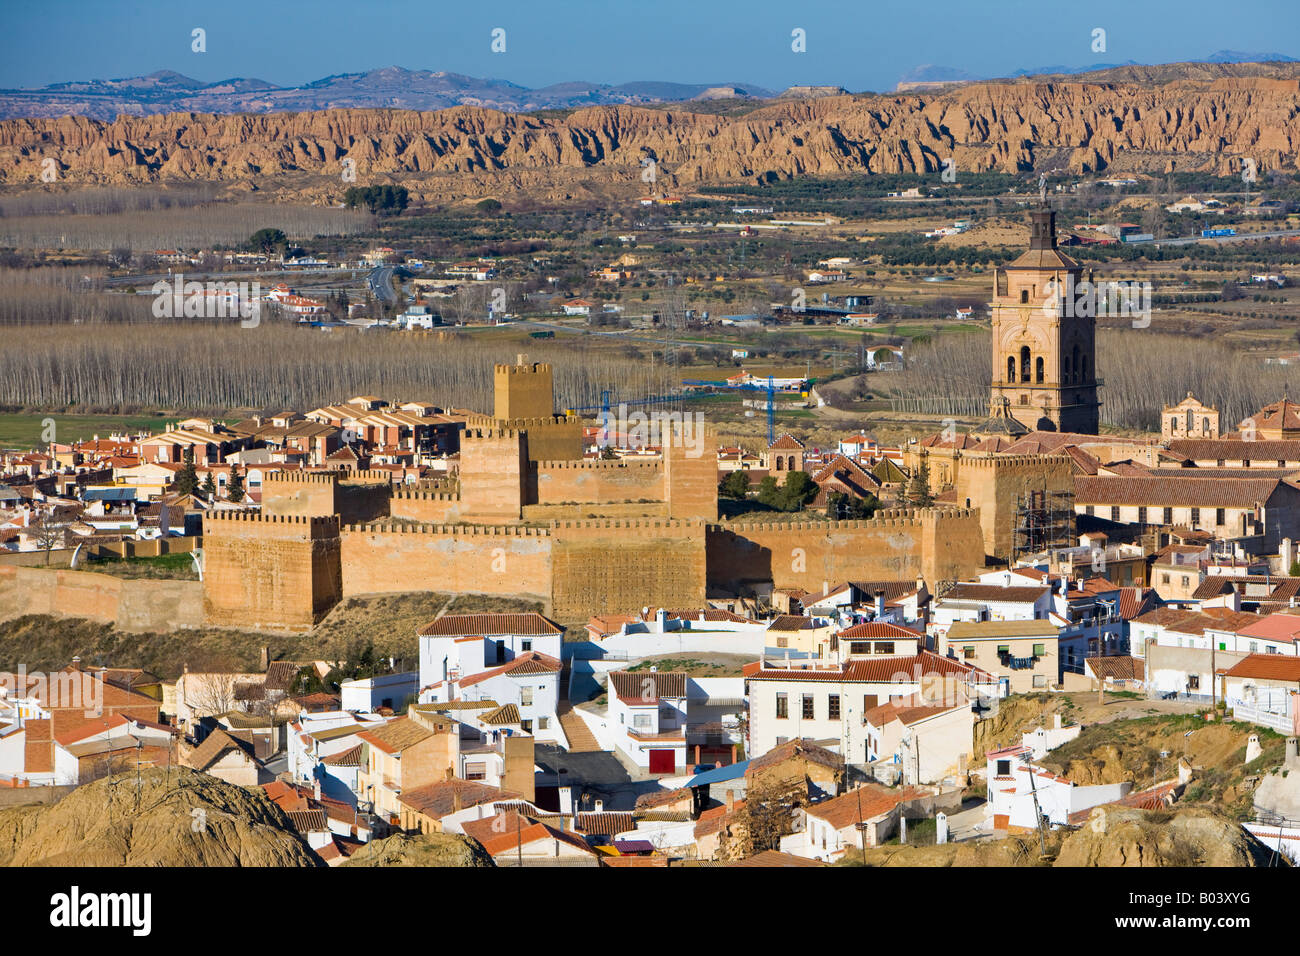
[{"x": 663, "y": 761}]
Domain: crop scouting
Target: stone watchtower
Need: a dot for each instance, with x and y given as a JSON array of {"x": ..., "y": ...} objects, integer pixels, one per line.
[
  {"x": 523, "y": 390},
  {"x": 1044, "y": 355}
]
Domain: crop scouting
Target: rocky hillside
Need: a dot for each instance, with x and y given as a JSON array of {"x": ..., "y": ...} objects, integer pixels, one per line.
[
  {"x": 466, "y": 151},
  {"x": 178, "y": 818},
  {"x": 428, "y": 849}
]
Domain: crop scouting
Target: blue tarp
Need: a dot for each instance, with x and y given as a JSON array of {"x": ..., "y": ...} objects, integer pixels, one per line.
[{"x": 718, "y": 774}]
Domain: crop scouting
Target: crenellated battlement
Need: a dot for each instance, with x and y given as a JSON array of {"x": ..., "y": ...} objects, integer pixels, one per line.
[
  {"x": 490, "y": 433},
  {"x": 599, "y": 465},
  {"x": 418, "y": 494},
  {"x": 254, "y": 517},
  {"x": 996, "y": 461},
  {"x": 301, "y": 477},
  {"x": 449, "y": 530}
]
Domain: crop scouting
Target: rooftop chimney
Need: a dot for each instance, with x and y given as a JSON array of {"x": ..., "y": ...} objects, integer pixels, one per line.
[{"x": 880, "y": 604}]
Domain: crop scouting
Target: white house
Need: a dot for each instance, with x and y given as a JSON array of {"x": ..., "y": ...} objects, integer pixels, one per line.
[
  {"x": 368, "y": 694},
  {"x": 1018, "y": 791},
  {"x": 456, "y": 646}
]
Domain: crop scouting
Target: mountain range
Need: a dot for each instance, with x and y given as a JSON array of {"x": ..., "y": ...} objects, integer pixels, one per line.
[{"x": 394, "y": 87}]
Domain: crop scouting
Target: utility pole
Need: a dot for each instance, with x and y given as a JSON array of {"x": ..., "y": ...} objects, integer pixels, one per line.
[{"x": 1038, "y": 811}]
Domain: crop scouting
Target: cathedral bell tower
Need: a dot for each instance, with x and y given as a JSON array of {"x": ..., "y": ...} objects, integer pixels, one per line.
[{"x": 1044, "y": 354}]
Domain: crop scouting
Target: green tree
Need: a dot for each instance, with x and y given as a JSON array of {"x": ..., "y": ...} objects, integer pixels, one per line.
[
  {"x": 209, "y": 487},
  {"x": 187, "y": 479},
  {"x": 736, "y": 485},
  {"x": 919, "y": 490},
  {"x": 235, "y": 486},
  {"x": 799, "y": 489},
  {"x": 268, "y": 241}
]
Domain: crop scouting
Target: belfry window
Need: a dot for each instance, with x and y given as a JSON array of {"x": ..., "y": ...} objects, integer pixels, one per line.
[
  {"x": 1038, "y": 370},
  {"x": 1011, "y": 368},
  {"x": 1024, "y": 364}
]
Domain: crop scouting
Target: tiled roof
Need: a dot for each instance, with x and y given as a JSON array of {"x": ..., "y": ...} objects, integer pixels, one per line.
[
  {"x": 1280, "y": 667},
  {"x": 791, "y": 622},
  {"x": 308, "y": 821},
  {"x": 787, "y": 442},
  {"x": 776, "y": 858},
  {"x": 439, "y": 799},
  {"x": 214, "y": 746},
  {"x": 396, "y": 735},
  {"x": 878, "y": 629},
  {"x": 1227, "y": 449},
  {"x": 805, "y": 749},
  {"x": 344, "y": 758},
  {"x": 858, "y": 806},
  {"x": 1174, "y": 491},
  {"x": 1116, "y": 668},
  {"x": 974, "y": 630},
  {"x": 488, "y": 625},
  {"x": 648, "y": 687},
  {"x": 715, "y": 818},
  {"x": 1197, "y": 622},
  {"x": 505, "y": 714},
  {"x": 908, "y": 711},
  {"x": 991, "y": 592},
  {"x": 530, "y": 662},
  {"x": 1275, "y": 627},
  {"x": 878, "y": 670}
]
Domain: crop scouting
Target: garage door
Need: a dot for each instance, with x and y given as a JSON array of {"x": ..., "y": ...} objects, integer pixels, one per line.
[{"x": 662, "y": 761}]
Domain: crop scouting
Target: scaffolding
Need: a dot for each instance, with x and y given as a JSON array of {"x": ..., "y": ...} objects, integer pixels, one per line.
[{"x": 1044, "y": 520}]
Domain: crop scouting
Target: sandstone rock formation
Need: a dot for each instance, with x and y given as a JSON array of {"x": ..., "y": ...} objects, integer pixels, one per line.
[
  {"x": 1070, "y": 126},
  {"x": 427, "y": 849},
  {"x": 179, "y": 818},
  {"x": 1119, "y": 836}
]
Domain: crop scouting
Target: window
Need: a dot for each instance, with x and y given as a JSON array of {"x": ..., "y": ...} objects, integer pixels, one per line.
[
  {"x": 1164, "y": 577},
  {"x": 526, "y": 645},
  {"x": 1011, "y": 368},
  {"x": 1196, "y": 516},
  {"x": 1142, "y": 514},
  {"x": 543, "y": 723},
  {"x": 476, "y": 771},
  {"x": 1193, "y": 681},
  {"x": 833, "y": 707},
  {"x": 807, "y": 708},
  {"x": 1254, "y": 647},
  {"x": 526, "y": 726},
  {"x": 1089, "y": 510},
  {"x": 884, "y": 647},
  {"x": 1025, "y": 362},
  {"x": 1040, "y": 650},
  {"x": 501, "y": 652},
  {"x": 1219, "y": 514},
  {"x": 1168, "y": 516},
  {"x": 1024, "y": 296},
  {"x": 783, "y": 642},
  {"x": 1004, "y": 768},
  {"x": 641, "y": 721},
  {"x": 1186, "y": 581},
  {"x": 526, "y": 696},
  {"x": 968, "y": 653},
  {"x": 1040, "y": 680},
  {"x": 1038, "y": 370},
  {"x": 1114, "y": 513},
  {"x": 782, "y": 707}
]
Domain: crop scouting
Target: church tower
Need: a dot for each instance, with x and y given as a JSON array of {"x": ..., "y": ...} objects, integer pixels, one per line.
[{"x": 1044, "y": 354}]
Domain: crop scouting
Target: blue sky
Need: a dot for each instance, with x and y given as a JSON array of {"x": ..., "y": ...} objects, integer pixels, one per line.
[{"x": 861, "y": 45}]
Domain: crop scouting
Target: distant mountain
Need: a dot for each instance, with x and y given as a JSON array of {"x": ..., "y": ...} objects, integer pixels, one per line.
[
  {"x": 931, "y": 75},
  {"x": 392, "y": 87}
]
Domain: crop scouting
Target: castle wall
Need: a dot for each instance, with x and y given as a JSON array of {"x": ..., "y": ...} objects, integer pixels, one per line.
[
  {"x": 356, "y": 496},
  {"x": 522, "y": 390},
  {"x": 993, "y": 484},
  {"x": 622, "y": 566},
  {"x": 273, "y": 571},
  {"x": 462, "y": 559},
  {"x": 493, "y": 470},
  {"x": 812, "y": 554},
  {"x": 426, "y": 507},
  {"x": 599, "y": 482},
  {"x": 129, "y": 604}
]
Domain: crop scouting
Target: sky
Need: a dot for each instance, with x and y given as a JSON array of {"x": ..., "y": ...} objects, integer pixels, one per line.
[{"x": 860, "y": 45}]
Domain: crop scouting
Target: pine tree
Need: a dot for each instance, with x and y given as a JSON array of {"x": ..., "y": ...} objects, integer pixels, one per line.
[
  {"x": 209, "y": 487},
  {"x": 235, "y": 487},
  {"x": 187, "y": 479}
]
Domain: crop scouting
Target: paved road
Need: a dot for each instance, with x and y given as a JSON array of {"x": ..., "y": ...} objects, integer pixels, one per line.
[{"x": 380, "y": 281}]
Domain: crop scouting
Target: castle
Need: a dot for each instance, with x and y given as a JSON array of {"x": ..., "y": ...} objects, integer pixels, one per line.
[{"x": 531, "y": 518}]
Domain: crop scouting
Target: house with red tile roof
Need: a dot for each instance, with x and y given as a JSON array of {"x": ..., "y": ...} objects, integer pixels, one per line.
[
  {"x": 925, "y": 742},
  {"x": 866, "y": 816},
  {"x": 825, "y": 700},
  {"x": 513, "y": 838}
]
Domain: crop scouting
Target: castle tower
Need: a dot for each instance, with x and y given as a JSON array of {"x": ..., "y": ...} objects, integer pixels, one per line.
[
  {"x": 523, "y": 390},
  {"x": 1044, "y": 355},
  {"x": 690, "y": 471}
]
